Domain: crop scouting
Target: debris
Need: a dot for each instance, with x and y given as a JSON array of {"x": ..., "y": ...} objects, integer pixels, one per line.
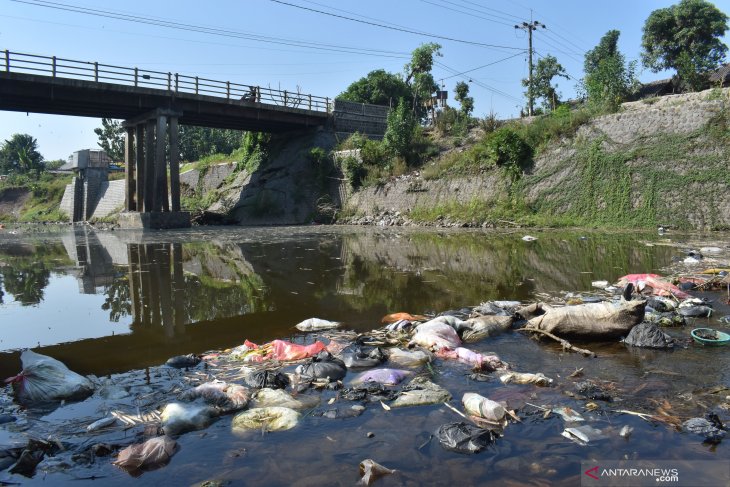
[
  {"x": 278, "y": 398},
  {"x": 583, "y": 434},
  {"x": 406, "y": 358},
  {"x": 224, "y": 396},
  {"x": 356, "y": 356},
  {"x": 101, "y": 423},
  {"x": 593, "y": 391},
  {"x": 593, "y": 320},
  {"x": 314, "y": 324},
  {"x": 389, "y": 377},
  {"x": 435, "y": 334},
  {"x": 626, "y": 431},
  {"x": 704, "y": 428},
  {"x": 538, "y": 379},
  {"x": 323, "y": 366},
  {"x": 648, "y": 335},
  {"x": 267, "y": 419},
  {"x": 482, "y": 407},
  {"x": 45, "y": 379},
  {"x": 180, "y": 418},
  {"x": 370, "y": 470},
  {"x": 654, "y": 283},
  {"x": 183, "y": 361},
  {"x": 529, "y": 238},
  {"x": 267, "y": 378},
  {"x": 476, "y": 360},
  {"x": 565, "y": 343},
  {"x": 394, "y": 317},
  {"x": 151, "y": 454},
  {"x": 421, "y": 392},
  {"x": 568, "y": 414},
  {"x": 463, "y": 437},
  {"x": 482, "y": 327}
]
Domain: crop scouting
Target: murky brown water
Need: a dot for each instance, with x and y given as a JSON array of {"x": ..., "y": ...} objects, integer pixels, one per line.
[{"x": 111, "y": 302}]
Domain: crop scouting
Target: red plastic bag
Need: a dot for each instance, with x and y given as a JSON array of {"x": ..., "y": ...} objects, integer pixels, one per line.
[
  {"x": 659, "y": 286},
  {"x": 283, "y": 350}
]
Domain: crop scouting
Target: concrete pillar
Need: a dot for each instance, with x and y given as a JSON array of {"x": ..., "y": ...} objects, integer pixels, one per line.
[
  {"x": 174, "y": 165},
  {"x": 159, "y": 198},
  {"x": 129, "y": 195},
  {"x": 140, "y": 163},
  {"x": 149, "y": 162}
]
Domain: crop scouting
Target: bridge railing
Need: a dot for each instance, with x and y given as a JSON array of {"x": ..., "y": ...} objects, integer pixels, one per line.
[{"x": 173, "y": 82}]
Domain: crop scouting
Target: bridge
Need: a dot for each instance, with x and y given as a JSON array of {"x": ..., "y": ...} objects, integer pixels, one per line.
[{"x": 152, "y": 103}]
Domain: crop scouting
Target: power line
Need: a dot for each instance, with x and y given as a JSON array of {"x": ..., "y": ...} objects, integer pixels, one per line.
[
  {"x": 384, "y": 26},
  {"x": 212, "y": 30},
  {"x": 478, "y": 83},
  {"x": 509, "y": 17},
  {"x": 484, "y": 66},
  {"x": 465, "y": 13}
]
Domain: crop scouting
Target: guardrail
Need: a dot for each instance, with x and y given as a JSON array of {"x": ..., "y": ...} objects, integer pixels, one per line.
[{"x": 56, "y": 67}]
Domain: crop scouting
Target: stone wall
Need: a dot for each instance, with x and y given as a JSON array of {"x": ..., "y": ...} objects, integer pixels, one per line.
[
  {"x": 212, "y": 178},
  {"x": 350, "y": 117},
  {"x": 556, "y": 167},
  {"x": 111, "y": 198},
  {"x": 92, "y": 198}
]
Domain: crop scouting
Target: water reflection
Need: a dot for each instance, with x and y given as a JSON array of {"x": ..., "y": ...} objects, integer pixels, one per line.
[{"x": 171, "y": 293}]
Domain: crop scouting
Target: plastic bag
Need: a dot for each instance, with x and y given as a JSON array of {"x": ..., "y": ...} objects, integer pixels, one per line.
[
  {"x": 648, "y": 335},
  {"x": 464, "y": 438},
  {"x": 226, "y": 397},
  {"x": 421, "y": 392},
  {"x": 658, "y": 285},
  {"x": 278, "y": 398},
  {"x": 153, "y": 453},
  {"x": 538, "y": 379},
  {"x": 313, "y": 324},
  {"x": 406, "y": 358},
  {"x": 435, "y": 334},
  {"x": 356, "y": 356},
  {"x": 392, "y": 318},
  {"x": 45, "y": 379},
  {"x": 482, "y": 407},
  {"x": 323, "y": 366},
  {"x": 183, "y": 361},
  {"x": 267, "y": 378},
  {"x": 371, "y": 470},
  {"x": 180, "y": 418},
  {"x": 283, "y": 350},
  {"x": 266, "y": 419},
  {"x": 485, "y": 326},
  {"x": 388, "y": 377}
]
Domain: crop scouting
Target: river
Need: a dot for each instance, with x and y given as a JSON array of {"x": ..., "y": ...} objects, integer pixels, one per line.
[{"x": 111, "y": 303}]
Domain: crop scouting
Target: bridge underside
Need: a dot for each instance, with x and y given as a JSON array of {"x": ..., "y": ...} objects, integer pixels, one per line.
[{"x": 61, "y": 96}]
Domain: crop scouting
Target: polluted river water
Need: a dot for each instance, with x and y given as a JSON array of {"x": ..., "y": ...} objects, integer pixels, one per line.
[{"x": 116, "y": 305}]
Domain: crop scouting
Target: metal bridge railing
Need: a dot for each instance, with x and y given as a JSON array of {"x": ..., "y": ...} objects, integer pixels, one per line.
[{"x": 56, "y": 67}]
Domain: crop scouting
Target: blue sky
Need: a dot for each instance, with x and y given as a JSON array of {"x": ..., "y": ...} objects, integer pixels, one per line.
[{"x": 281, "y": 61}]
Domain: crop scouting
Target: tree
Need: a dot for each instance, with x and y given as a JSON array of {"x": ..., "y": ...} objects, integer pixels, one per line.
[
  {"x": 111, "y": 138},
  {"x": 198, "y": 142},
  {"x": 401, "y": 129},
  {"x": 608, "y": 78},
  {"x": 20, "y": 155},
  {"x": 685, "y": 37},
  {"x": 462, "y": 96},
  {"x": 546, "y": 69},
  {"x": 418, "y": 74},
  {"x": 378, "y": 88}
]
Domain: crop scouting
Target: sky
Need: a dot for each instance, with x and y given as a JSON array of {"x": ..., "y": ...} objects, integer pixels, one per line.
[{"x": 287, "y": 44}]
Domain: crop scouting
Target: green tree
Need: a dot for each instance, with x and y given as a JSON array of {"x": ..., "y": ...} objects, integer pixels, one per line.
[
  {"x": 111, "y": 138},
  {"x": 546, "y": 69},
  {"x": 20, "y": 155},
  {"x": 608, "y": 78},
  {"x": 462, "y": 96},
  {"x": 418, "y": 74},
  {"x": 401, "y": 129},
  {"x": 26, "y": 281},
  {"x": 685, "y": 37},
  {"x": 198, "y": 142},
  {"x": 378, "y": 88}
]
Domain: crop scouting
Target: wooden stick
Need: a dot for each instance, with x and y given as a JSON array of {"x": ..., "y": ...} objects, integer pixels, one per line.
[{"x": 565, "y": 343}]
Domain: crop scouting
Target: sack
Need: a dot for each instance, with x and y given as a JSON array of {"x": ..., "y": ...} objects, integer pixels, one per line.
[
  {"x": 604, "y": 320},
  {"x": 45, "y": 379},
  {"x": 435, "y": 334},
  {"x": 153, "y": 453},
  {"x": 485, "y": 326}
]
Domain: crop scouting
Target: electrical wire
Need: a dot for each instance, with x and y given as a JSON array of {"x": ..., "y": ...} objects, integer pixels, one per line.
[
  {"x": 384, "y": 26},
  {"x": 463, "y": 12},
  {"x": 212, "y": 30},
  {"x": 483, "y": 66}
]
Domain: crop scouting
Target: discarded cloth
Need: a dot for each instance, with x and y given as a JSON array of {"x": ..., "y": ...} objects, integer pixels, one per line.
[{"x": 153, "y": 453}]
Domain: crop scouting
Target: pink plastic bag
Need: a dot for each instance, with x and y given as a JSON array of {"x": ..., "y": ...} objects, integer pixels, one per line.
[
  {"x": 659, "y": 286},
  {"x": 475, "y": 359},
  {"x": 283, "y": 350}
]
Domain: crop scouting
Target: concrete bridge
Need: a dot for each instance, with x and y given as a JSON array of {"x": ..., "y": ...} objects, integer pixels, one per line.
[{"x": 153, "y": 103}]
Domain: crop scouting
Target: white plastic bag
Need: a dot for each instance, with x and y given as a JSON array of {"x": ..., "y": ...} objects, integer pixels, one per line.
[{"x": 45, "y": 379}]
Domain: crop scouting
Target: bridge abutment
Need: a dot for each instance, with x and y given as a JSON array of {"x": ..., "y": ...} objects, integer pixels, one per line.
[{"x": 151, "y": 150}]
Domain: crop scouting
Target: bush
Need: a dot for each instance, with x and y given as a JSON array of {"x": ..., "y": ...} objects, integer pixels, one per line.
[
  {"x": 508, "y": 149},
  {"x": 401, "y": 130},
  {"x": 451, "y": 122}
]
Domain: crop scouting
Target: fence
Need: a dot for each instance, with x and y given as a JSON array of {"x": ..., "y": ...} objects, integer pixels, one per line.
[{"x": 177, "y": 83}]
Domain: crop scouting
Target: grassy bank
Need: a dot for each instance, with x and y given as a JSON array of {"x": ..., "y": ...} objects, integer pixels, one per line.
[{"x": 25, "y": 199}]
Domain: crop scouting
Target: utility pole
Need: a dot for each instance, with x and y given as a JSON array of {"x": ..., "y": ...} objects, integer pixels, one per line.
[{"x": 529, "y": 27}]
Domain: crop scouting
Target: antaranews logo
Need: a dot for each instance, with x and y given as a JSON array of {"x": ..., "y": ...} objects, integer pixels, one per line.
[
  {"x": 646, "y": 473},
  {"x": 592, "y": 472}
]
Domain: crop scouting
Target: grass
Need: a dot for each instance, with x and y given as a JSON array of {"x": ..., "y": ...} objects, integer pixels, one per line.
[{"x": 45, "y": 197}]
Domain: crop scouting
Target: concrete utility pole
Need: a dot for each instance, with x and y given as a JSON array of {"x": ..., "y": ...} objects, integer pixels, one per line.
[{"x": 529, "y": 27}]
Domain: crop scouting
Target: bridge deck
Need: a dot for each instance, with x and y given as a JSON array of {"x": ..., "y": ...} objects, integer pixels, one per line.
[{"x": 64, "y": 96}]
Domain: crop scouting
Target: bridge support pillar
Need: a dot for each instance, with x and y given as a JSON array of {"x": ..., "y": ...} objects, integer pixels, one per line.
[{"x": 149, "y": 155}]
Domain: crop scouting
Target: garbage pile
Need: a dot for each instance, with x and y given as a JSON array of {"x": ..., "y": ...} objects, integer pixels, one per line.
[{"x": 275, "y": 386}]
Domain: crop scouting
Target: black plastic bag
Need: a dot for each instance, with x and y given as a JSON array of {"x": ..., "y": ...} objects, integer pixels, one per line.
[
  {"x": 183, "y": 361},
  {"x": 648, "y": 335},
  {"x": 464, "y": 437},
  {"x": 324, "y": 365},
  {"x": 355, "y": 356},
  {"x": 267, "y": 378}
]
